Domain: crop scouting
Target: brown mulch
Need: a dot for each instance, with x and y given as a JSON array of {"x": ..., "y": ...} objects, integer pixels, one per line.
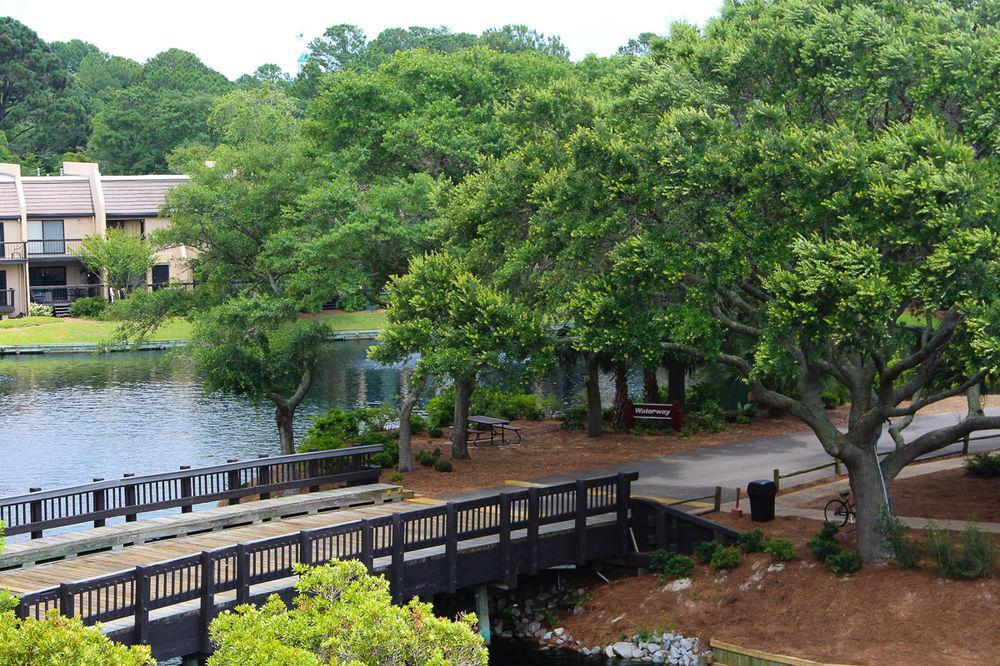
[
  {"x": 548, "y": 450},
  {"x": 878, "y": 616},
  {"x": 950, "y": 494}
]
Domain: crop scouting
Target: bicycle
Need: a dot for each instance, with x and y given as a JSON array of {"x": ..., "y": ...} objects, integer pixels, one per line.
[{"x": 840, "y": 511}]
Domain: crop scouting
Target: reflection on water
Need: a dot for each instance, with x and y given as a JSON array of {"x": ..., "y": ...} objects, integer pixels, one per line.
[{"x": 70, "y": 417}]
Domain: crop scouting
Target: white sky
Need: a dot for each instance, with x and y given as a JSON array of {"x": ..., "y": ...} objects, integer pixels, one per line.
[{"x": 236, "y": 37}]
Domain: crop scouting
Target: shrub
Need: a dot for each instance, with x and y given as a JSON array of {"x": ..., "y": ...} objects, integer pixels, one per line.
[
  {"x": 443, "y": 466},
  {"x": 705, "y": 550},
  {"x": 491, "y": 402},
  {"x": 983, "y": 464},
  {"x": 417, "y": 424},
  {"x": 63, "y": 641},
  {"x": 395, "y": 477},
  {"x": 845, "y": 562},
  {"x": 39, "y": 310},
  {"x": 727, "y": 557},
  {"x": 574, "y": 418},
  {"x": 751, "y": 542},
  {"x": 782, "y": 550},
  {"x": 89, "y": 308},
  {"x": 972, "y": 555},
  {"x": 389, "y": 455},
  {"x": 904, "y": 552},
  {"x": 338, "y": 428},
  {"x": 428, "y": 458},
  {"x": 824, "y": 544},
  {"x": 671, "y": 565},
  {"x": 435, "y": 431}
]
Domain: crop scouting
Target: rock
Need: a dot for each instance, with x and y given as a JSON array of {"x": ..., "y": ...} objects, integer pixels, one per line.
[
  {"x": 559, "y": 632},
  {"x": 623, "y": 649},
  {"x": 547, "y": 635},
  {"x": 686, "y": 644},
  {"x": 776, "y": 567},
  {"x": 609, "y": 651},
  {"x": 534, "y": 626},
  {"x": 678, "y": 585}
]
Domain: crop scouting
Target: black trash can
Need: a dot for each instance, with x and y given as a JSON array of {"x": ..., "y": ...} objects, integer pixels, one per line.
[{"x": 761, "y": 494}]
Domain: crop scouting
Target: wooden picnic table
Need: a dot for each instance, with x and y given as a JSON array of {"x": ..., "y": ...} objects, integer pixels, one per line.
[{"x": 494, "y": 424}]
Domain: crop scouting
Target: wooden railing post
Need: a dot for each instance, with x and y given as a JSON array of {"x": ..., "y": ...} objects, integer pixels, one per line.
[
  {"x": 367, "y": 544},
  {"x": 581, "y": 522},
  {"x": 186, "y": 490},
  {"x": 622, "y": 493},
  {"x": 534, "y": 515},
  {"x": 36, "y": 513},
  {"x": 130, "y": 499},
  {"x": 507, "y": 574},
  {"x": 99, "y": 503},
  {"x": 965, "y": 445},
  {"x": 836, "y": 466},
  {"x": 141, "y": 599},
  {"x": 233, "y": 483},
  {"x": 66, "y": 605},
  {"x": 242, "y": 574},
  {"x": 717, "y": 504},
  {"x": 207, "y": 598},
  {"x": 451, "y": 546},
  {"x": 305, "y": 548},
  {"x": 264, "y": 476},
  {"x": 777, "y": 480},
  {"x": 314, "y": 474},
  {"x": 398, "y": 548}
]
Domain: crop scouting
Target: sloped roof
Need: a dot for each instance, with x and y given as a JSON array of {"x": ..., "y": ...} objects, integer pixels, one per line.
[
  {"x": 10, "y": 207},
  {"x": 57, "y": 195},
  {"x": 137, "y": 195}
]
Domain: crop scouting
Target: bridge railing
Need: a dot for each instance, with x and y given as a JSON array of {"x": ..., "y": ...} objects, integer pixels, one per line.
[
  {"x": 136, "y": 592},
  {"x": 132, "y": 495}
]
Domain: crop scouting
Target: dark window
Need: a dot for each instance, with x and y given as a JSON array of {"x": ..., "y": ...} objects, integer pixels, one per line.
[
  {"x": 161, "y": 275},
  {"x": 3, "y": 279},
  {"x": 47, "y": 276}
]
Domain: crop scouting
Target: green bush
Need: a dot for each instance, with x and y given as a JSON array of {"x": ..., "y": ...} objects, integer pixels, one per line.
[
  {"x": 705, "y": 550},
  {"x": 435, "y": 431},
  {"x": 395, "y": 477},
  {"x": 727, "y": 557},
  {"x": 338, "y": 428},
  {"x": 983, "y": 464},
  {"x": 671, "y": 565},
  {"x": 751, "y": 542},
  {"x": 89, "y": 308},
  {"x": 824, "y": 544},
  {"x": 428, "y": 458},
  {"x": 904, "y": 552},
  {"x": 418, "y": 424},
  {"x": 39, "y": 310},
  {"x": 835, "y": 395},
  {"x": 782, "y": 550},
  {"x": 63, "y": 641},
  {"x": 845, "y": 562},
  {"x": 389, "y": 455},
  {"x": 972, "y": 555},
  {"x": 486, "y": 401},
  {"x": 710, "y": 417},
  {"x": 574, "y": 418},
  {"x": 443, "y": 466}
]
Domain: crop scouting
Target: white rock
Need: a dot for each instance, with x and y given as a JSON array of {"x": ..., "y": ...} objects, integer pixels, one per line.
[
  {"x": 559, "y": 632},
  {"x": 678, "y": 585},
  {"x": 623, "y": 649}
]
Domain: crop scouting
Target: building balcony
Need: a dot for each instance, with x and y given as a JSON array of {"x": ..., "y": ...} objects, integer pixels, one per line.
[
  {"x": 6, "y": 301},
  {"x": 64, "y": 293},
  {"x": 21, "y": 251}
]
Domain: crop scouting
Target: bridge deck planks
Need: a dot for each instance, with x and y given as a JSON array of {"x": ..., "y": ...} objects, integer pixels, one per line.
[{"x": 98, "y": 564}]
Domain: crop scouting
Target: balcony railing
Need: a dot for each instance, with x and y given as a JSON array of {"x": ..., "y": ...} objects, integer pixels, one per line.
[
  {"x": 6, "y": 300},
  {"x": 65, "y": 293},
  {"x": 38, "y": 249},
  {"x": 12, "y": 251}
]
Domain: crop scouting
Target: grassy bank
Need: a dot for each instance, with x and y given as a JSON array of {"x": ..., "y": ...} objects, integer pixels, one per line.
[{"x": 51, "y": 330}]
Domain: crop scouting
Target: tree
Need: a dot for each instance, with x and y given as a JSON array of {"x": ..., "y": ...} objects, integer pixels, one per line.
[
  {"x": 123, "y": 259},
  {"x": 513, "y": 38},
  {"x": 344, "y": 615},
  {"x": 28, "y": 69},
  {"x": 61, "y": 640},
  {"x": 461, "y": 328},
  {"x": 260, "y": 349}
]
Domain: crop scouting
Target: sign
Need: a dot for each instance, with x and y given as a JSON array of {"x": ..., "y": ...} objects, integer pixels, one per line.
[{"x": 654, "y": 412}]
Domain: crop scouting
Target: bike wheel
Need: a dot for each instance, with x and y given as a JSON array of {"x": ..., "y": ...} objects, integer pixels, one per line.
[{"x": 836, "y": 512}]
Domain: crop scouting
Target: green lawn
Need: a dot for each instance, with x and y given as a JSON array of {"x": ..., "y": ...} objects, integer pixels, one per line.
[{"x": 51, "y": 330}]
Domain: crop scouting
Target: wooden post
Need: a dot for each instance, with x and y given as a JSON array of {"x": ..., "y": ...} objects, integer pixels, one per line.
[
  {"x": 142, "y": 594},
  {"x": 507, "y": 574},
  {"x": 314, "y": 474},
  {"x": 777, "y": 480},
  {"x": 264, "y": 476},
  {"x": 207, "y": 598},
  {"x": 622, "y": 492},
  {"x": 662, "y": 538},
  {"x": 129, "y": 497},
  {"x": 98, "y": 500},
  {"x": 533, "y": 518},
  {"x": 717, "y": 504},
  {"x": 451, "y": 546},
  {"x": 242, "y": 574},
  {"x": 36, "y": 513},
  {"x": 367, "y": 545},
  {"x": 305, "y": 548},
  {"x": 483, "y": 612},
  {"x": 836, "y": 466},
  {"x": 965, "y": 445},
  {"x": 186, "y": 490},
  {"x": 66, "y": 605},
  {"x": 233, "y": 482},
  {"x": 581, "y": 522},
  {"x": 398, "y": 548}
]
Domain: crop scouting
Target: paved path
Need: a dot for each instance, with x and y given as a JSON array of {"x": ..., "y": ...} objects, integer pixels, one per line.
[{"x": 697, "y": 473}]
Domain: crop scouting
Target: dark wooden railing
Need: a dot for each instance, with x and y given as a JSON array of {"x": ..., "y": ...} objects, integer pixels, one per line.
[
  {"x": 96, "y": 502},
  {"x": 64, "y": 293},
  {"x": 6, "y": 300},
  {"x": 137, "y": 592}
]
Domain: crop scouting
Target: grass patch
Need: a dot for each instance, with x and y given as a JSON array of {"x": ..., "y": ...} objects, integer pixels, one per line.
[{"x": 354, "y": 321}]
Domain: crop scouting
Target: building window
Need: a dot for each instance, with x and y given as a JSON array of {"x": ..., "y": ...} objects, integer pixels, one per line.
[
  {"x": 46, "y": 237},
  {"x": 136, "y": 228}
]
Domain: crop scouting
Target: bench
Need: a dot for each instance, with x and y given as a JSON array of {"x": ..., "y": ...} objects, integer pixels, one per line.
[
  {"x": 71, "y": 544},
  {"x": 473, "y": 435},
  {"x": 514, "y": 429}
]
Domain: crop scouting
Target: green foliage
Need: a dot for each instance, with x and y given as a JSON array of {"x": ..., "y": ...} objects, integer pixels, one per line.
[
  {"x": 825, "y": 545},
  {"x": 418, "y": 424},
  {"x": 751, "y": 542},
  {"x": 904, "y": 552},
  {"x": 845, "y": 562},
  {"x": 89, "y": 308},
  {"x": 39, "y": 310},
  {"x": 428, "y": 458},
  {"x": 726, "y": 557},
  {"x": 63, "y": 641},
  {"x": 983, "y": 464},
  {"x": 705, "y": 550},
  {"x": 125, "y": 259},
  {"x": 782, "y": 550},
  {"x": 671, "y": 565},
  {"x": 395, "y": 477},
  {"x": 338, "y": 428},
  {"x": 972, "y": 555},
  {"x": 343, "y": 614},
  {"x": 442, "y": 466},
  {"x": 574, "y": 418},
  {"x": 486, "y": 401}
]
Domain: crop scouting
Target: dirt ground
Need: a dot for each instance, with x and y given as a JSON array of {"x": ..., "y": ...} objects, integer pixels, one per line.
[
  {"x": 878, "y": 616},
  {"x": 547, "y": 449},
  {"x": 949, "y": 494}
]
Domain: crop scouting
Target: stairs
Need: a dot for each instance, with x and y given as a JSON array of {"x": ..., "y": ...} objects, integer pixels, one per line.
[{"x": 60, "y": 309}]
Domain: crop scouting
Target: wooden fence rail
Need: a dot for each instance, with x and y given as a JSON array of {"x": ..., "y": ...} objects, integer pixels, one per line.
[
  {"x": 139, "y": 591},
  {"x": 96, "y": 502}
]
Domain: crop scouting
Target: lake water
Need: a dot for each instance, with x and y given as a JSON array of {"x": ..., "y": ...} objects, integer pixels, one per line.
[{"x": 68, "y": 418}]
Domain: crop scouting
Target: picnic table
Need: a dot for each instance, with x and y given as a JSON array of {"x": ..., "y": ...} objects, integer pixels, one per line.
[{"x": 493, "y": 426}]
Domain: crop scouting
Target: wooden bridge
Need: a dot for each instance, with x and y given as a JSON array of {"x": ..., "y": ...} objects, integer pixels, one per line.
[{"x": 162, "y": 580}]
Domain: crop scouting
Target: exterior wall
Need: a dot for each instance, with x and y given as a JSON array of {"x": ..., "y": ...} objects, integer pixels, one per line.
[
  {"x": 178, "y": 257},
  {"x": 12, "y": 230},
  {"x": 16, "y": 280}
]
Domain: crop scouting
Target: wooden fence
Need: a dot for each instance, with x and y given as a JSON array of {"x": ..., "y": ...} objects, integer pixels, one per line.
[{"x": 96, "y": 502}]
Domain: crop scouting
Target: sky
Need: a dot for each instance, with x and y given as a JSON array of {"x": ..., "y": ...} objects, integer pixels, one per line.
[{"x": 236, "y": 37}]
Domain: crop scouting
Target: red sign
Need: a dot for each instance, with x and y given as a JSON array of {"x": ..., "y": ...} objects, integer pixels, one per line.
[{"x": 654, "y": 411}]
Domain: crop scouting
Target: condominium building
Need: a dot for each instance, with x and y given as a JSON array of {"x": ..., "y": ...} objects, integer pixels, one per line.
[{"x": 43, "y": 220}]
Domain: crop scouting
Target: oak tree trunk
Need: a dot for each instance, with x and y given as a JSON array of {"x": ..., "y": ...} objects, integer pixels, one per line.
[
  {"x": 650, "y": 385},
  {"x": 621, "y": 392},
  {"x": 869, "y": 496},
  {"x": 460, "y": 424},
  {"x": 410, "y": 393},
  {"x": 675, "y": 382},
  {"x": 284, "y": 416},
  {"x": 595, "y": 414}
]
